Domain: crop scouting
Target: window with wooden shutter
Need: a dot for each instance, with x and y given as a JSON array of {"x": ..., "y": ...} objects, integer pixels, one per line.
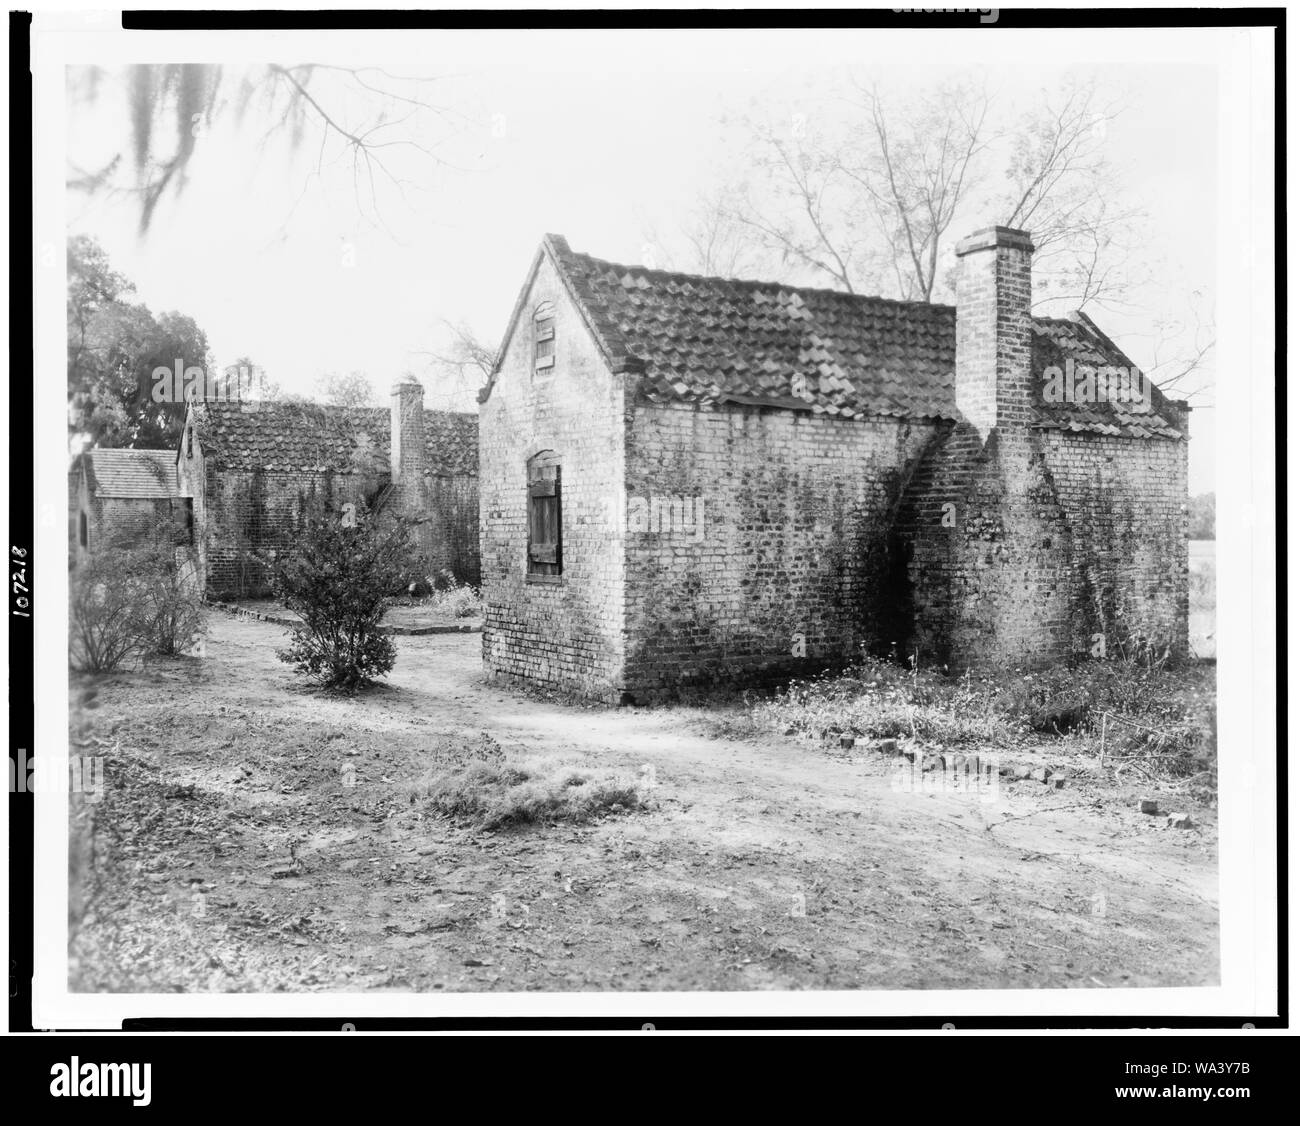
[
  {"x": 545, "y": 558},
  {"x": 544, "y": 336}
]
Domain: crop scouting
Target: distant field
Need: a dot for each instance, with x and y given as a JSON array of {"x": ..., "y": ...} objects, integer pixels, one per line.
[{"x": 1201, "y": 581}]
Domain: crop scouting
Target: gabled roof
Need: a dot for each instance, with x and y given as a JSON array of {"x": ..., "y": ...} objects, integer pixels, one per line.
[
  {"x": 1077, "y": 338},
  {"x": 310, "y": 437},
  {"x": 707, "y": 340},
  {"x": 131, "y": 474}
]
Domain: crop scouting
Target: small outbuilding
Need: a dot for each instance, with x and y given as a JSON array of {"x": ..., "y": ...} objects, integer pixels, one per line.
[{"x": 690, "y": 481}]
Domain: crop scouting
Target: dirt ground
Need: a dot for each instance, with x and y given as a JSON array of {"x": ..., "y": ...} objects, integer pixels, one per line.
[{"x": 257, "y": 836}]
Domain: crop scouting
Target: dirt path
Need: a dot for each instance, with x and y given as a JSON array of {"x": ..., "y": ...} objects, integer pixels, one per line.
[{"x": 765, "y": 864}]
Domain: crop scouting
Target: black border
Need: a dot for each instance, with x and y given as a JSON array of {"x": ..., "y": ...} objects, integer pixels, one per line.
[
  {"x": 22, "y": 423},
  {"x": 21, "y": 696}
]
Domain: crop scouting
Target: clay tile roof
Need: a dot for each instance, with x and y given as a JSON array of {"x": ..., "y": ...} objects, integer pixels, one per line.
[
  {"x": 706, "y": 339},
  {"x": 310, "y": 437},
  {"x": 1131, "y": 407},
  {"x": 132, "y": 474}
]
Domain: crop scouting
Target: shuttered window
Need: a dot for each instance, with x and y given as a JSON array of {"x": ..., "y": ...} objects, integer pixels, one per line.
[
  {"x": 544, "y": 336},
  {"x": 545, "y": 558}
]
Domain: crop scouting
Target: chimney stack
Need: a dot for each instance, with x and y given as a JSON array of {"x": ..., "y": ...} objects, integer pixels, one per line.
[
  {"x": 994, "y": 333},
  {"x": 406, "y": 437}
]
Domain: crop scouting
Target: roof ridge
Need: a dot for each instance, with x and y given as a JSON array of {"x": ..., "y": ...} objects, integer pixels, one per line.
[{"x": 749, "y": 282}]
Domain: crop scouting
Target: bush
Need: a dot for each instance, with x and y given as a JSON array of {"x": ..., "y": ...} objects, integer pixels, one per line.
[
  {"x": 131, "y": 599},
  {"x": 336, "y": 580},
  {"x": 172, "y": 604},
  {"x": 108, "y": 620}
]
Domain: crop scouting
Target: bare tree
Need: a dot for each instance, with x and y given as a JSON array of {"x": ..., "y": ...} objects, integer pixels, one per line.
[
  {"x": 917, "y": 168},
  {"x": 352, "y": 113},
  {"x": 799, "y": 206},
  {"x": 459, "y": 362},
  {"x": 1182, "y": 351},
  {"x": 709, "y": 240},
  {"x": 1062, "y": 188},
  {"x": 865, "y": 195}
]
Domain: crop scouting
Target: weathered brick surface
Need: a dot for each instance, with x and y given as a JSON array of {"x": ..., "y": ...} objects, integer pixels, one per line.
[
  {"x": 713, "y": 539},
  {"x": 775, "y": 558},
  {"x": 994, "y": 330},
  {"x": 569, "y": 633},
  {"x": 244, "y": 513},
  {"x": 1026, "y": 544},
  {"x": 1029, "y": 552},
  {"x": 120, "y": 519}
]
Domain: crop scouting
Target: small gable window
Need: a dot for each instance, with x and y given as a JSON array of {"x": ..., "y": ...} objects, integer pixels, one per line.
[
  {"x": 544, "y": 336},
  {"x": 83, "y": 531},
  {"x": 545, "y": 557},
  {"x": 189, "y": 441}
]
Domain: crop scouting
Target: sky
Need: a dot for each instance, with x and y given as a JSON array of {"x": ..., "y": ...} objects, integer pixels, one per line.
[{"x": 606, "y": 138}]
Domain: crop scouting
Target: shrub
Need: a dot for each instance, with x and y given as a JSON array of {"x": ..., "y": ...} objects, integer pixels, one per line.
[
  {"x": 130, "y": 598},
  {"x": 172, "y": 603},
  {"x": 108, "y": 621},
  {"x": 336, "y": 580}
]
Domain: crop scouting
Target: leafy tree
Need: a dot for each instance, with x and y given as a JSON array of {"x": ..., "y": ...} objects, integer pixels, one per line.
[
  {"x": 114, "y": 348},
  {"x": 350, "y": 390},
  {"x": 336, "y": 580}
]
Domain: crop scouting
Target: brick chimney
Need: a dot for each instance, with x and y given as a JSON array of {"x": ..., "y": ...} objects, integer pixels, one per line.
[
  {"x": 406, "y": 439},
  {"x": 993, "y": 329}
]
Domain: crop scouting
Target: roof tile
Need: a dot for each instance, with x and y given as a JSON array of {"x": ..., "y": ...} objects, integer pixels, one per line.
[
  {"x": 310, "y": 437},
  {"x": 706, "y": 339},
  {"x": 132, "y": 474}
]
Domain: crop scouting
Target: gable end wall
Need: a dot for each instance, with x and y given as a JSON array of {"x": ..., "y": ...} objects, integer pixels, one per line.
[{"x": 567, "y": 634}]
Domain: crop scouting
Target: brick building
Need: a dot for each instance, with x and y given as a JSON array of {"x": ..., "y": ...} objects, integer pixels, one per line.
[
  {"x": 254, "y": 469},
  {"x": 688, "y": 481},
  {"x": 126, "y": 497}
]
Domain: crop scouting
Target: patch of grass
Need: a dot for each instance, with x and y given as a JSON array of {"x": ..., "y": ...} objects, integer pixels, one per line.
[
  {"x": 1157, "y": 717},
  {"x": 457, "y": 602},
  {"x": 491, "y": 794},
  {"x": 452, "y": 601},
  {"x": 881, "y": 700}
]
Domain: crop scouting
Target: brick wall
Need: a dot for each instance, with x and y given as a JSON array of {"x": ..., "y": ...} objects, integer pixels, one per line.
[
  {"x": 448, "y": 528},
  {"x": 1027, "y": 551},
  {"x": 249, "y": 514},
  {"x": 1024, "y": 545},
  {"x": 1126, "y": 501},
  {"x": 240, "y": 515},
  {"x": 775, "y": 560},
  {"x": 127, "y": 522},
  {"x": 566, "y": 633}
]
